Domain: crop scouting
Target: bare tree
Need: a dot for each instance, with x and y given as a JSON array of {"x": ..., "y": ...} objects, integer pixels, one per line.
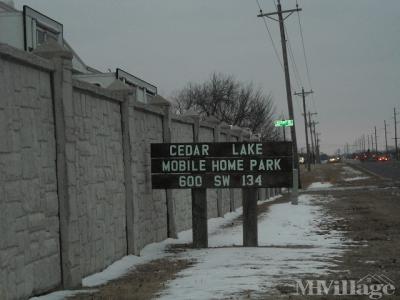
[{"x": 230, "y": 101}]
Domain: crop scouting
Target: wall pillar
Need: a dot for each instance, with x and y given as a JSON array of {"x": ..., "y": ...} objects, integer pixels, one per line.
[
  {"x": 167, "y": 138},
  {"x": 128, "y": 138},
  {"x": 62, "y": 102}
]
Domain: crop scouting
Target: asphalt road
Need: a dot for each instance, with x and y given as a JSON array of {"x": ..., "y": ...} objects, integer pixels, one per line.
[{"x": 387, "y": 169}]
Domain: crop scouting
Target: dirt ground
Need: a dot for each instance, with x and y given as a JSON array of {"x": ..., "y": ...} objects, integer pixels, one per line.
[
  {"x": 367, "y": 211},
  {"x": 142, "y": 283}
]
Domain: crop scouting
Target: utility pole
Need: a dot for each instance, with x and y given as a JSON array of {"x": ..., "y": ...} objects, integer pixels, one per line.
[
  {"x": 281, "y": 20},
  {"x": 363, "y": 143},
  {"x": 311, "y": 136},
  {"x": 372, "y": 143},
  {"x": 284, "y": 133},
  {"x": 304, "y": 94},
  {"x": 369, "y": 147},
  {"x": 315, "y": 137},
  {"x": 386, "y": 138},
  {"x": 283, "y": 128},
  {"x": 318, "y": 140},
  {"x": 395, "y": 134},
  {"x": 316, "y": 143},
  {"x": 376, "y": 142}
]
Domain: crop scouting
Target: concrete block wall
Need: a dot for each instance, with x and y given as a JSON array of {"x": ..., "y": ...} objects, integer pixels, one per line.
[
  {"x": 75, "y": 176},
  {"x": 182, "y": 132},
  {"x": 29, "y": 226},
  {"x": 151, "y": 203},
  {"x": 96, "y": 179}
]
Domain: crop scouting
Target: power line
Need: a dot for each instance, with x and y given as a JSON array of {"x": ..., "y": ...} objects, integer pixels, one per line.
[
  {"x": 295, "y": 71},
  {"x": 304, "y": 48},
  {"x": 293, "y": 61},
  {"x": 270, "y": 35},
  {"x": 305, "y": 56}
]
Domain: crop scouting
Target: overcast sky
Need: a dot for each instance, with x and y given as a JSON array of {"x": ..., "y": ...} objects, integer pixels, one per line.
[{"x": 353, "y": 49}]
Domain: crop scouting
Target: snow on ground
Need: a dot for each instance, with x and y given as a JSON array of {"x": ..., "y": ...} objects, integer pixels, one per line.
[
  {"x": 349, "y": 171},
  {"x": 351, "y": 174},
  {"x": 356, "y": 178},
  {"x": 289, "y": 247},
  {"x": 147, "y": 254},
  {"x": 152, "y": 252},
  {"x": 319, "y": 185}
]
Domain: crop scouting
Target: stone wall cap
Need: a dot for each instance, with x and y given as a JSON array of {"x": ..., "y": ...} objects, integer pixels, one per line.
[
  {"x": 9, "y": 52},
  {"x": 118, "y": 85},
  {"x": 182, "y": 119},
  {"x": 159, "y": 101},
  {"x": 154, "y": 109},
  {"x": 191, "y": 116},
  {"x": 212, "y": 120},
  {"x": 97, "y": 91}
]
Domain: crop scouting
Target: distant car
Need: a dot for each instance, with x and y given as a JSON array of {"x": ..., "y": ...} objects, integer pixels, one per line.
[
  {"x": 363, "y": 157},
  {"x": 334, "y": 159},
  {"x": 382, "y": 158}
]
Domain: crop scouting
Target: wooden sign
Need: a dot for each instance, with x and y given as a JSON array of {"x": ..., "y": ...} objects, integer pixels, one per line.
[{"x": 221, "y": 165}]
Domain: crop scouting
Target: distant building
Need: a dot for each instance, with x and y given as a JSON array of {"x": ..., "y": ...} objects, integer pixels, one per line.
[{"x": 28, "y": 29}]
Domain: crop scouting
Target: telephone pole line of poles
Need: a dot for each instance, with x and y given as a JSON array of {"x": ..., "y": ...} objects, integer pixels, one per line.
[
  {"x": 304, "y": 94},
  {"x": 376, "y": 142},
  {"x": 281, "y": 20}
]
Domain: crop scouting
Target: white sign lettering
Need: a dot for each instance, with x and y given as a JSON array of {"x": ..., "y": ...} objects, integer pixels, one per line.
[
  {"x": 247, "y": 149},
  {"x": 188, "y": 150}
]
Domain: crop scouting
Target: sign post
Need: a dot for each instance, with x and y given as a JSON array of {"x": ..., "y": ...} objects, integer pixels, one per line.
[
  {"x": 250, "y": 228},
  {"x": 245, "y": 165},
  {"x": 199, "y": 218},
  {"x": 199, "y": 204}
]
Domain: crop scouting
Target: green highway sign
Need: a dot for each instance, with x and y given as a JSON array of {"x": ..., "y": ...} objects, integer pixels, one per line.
[{"x": 284, "y": 123}]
